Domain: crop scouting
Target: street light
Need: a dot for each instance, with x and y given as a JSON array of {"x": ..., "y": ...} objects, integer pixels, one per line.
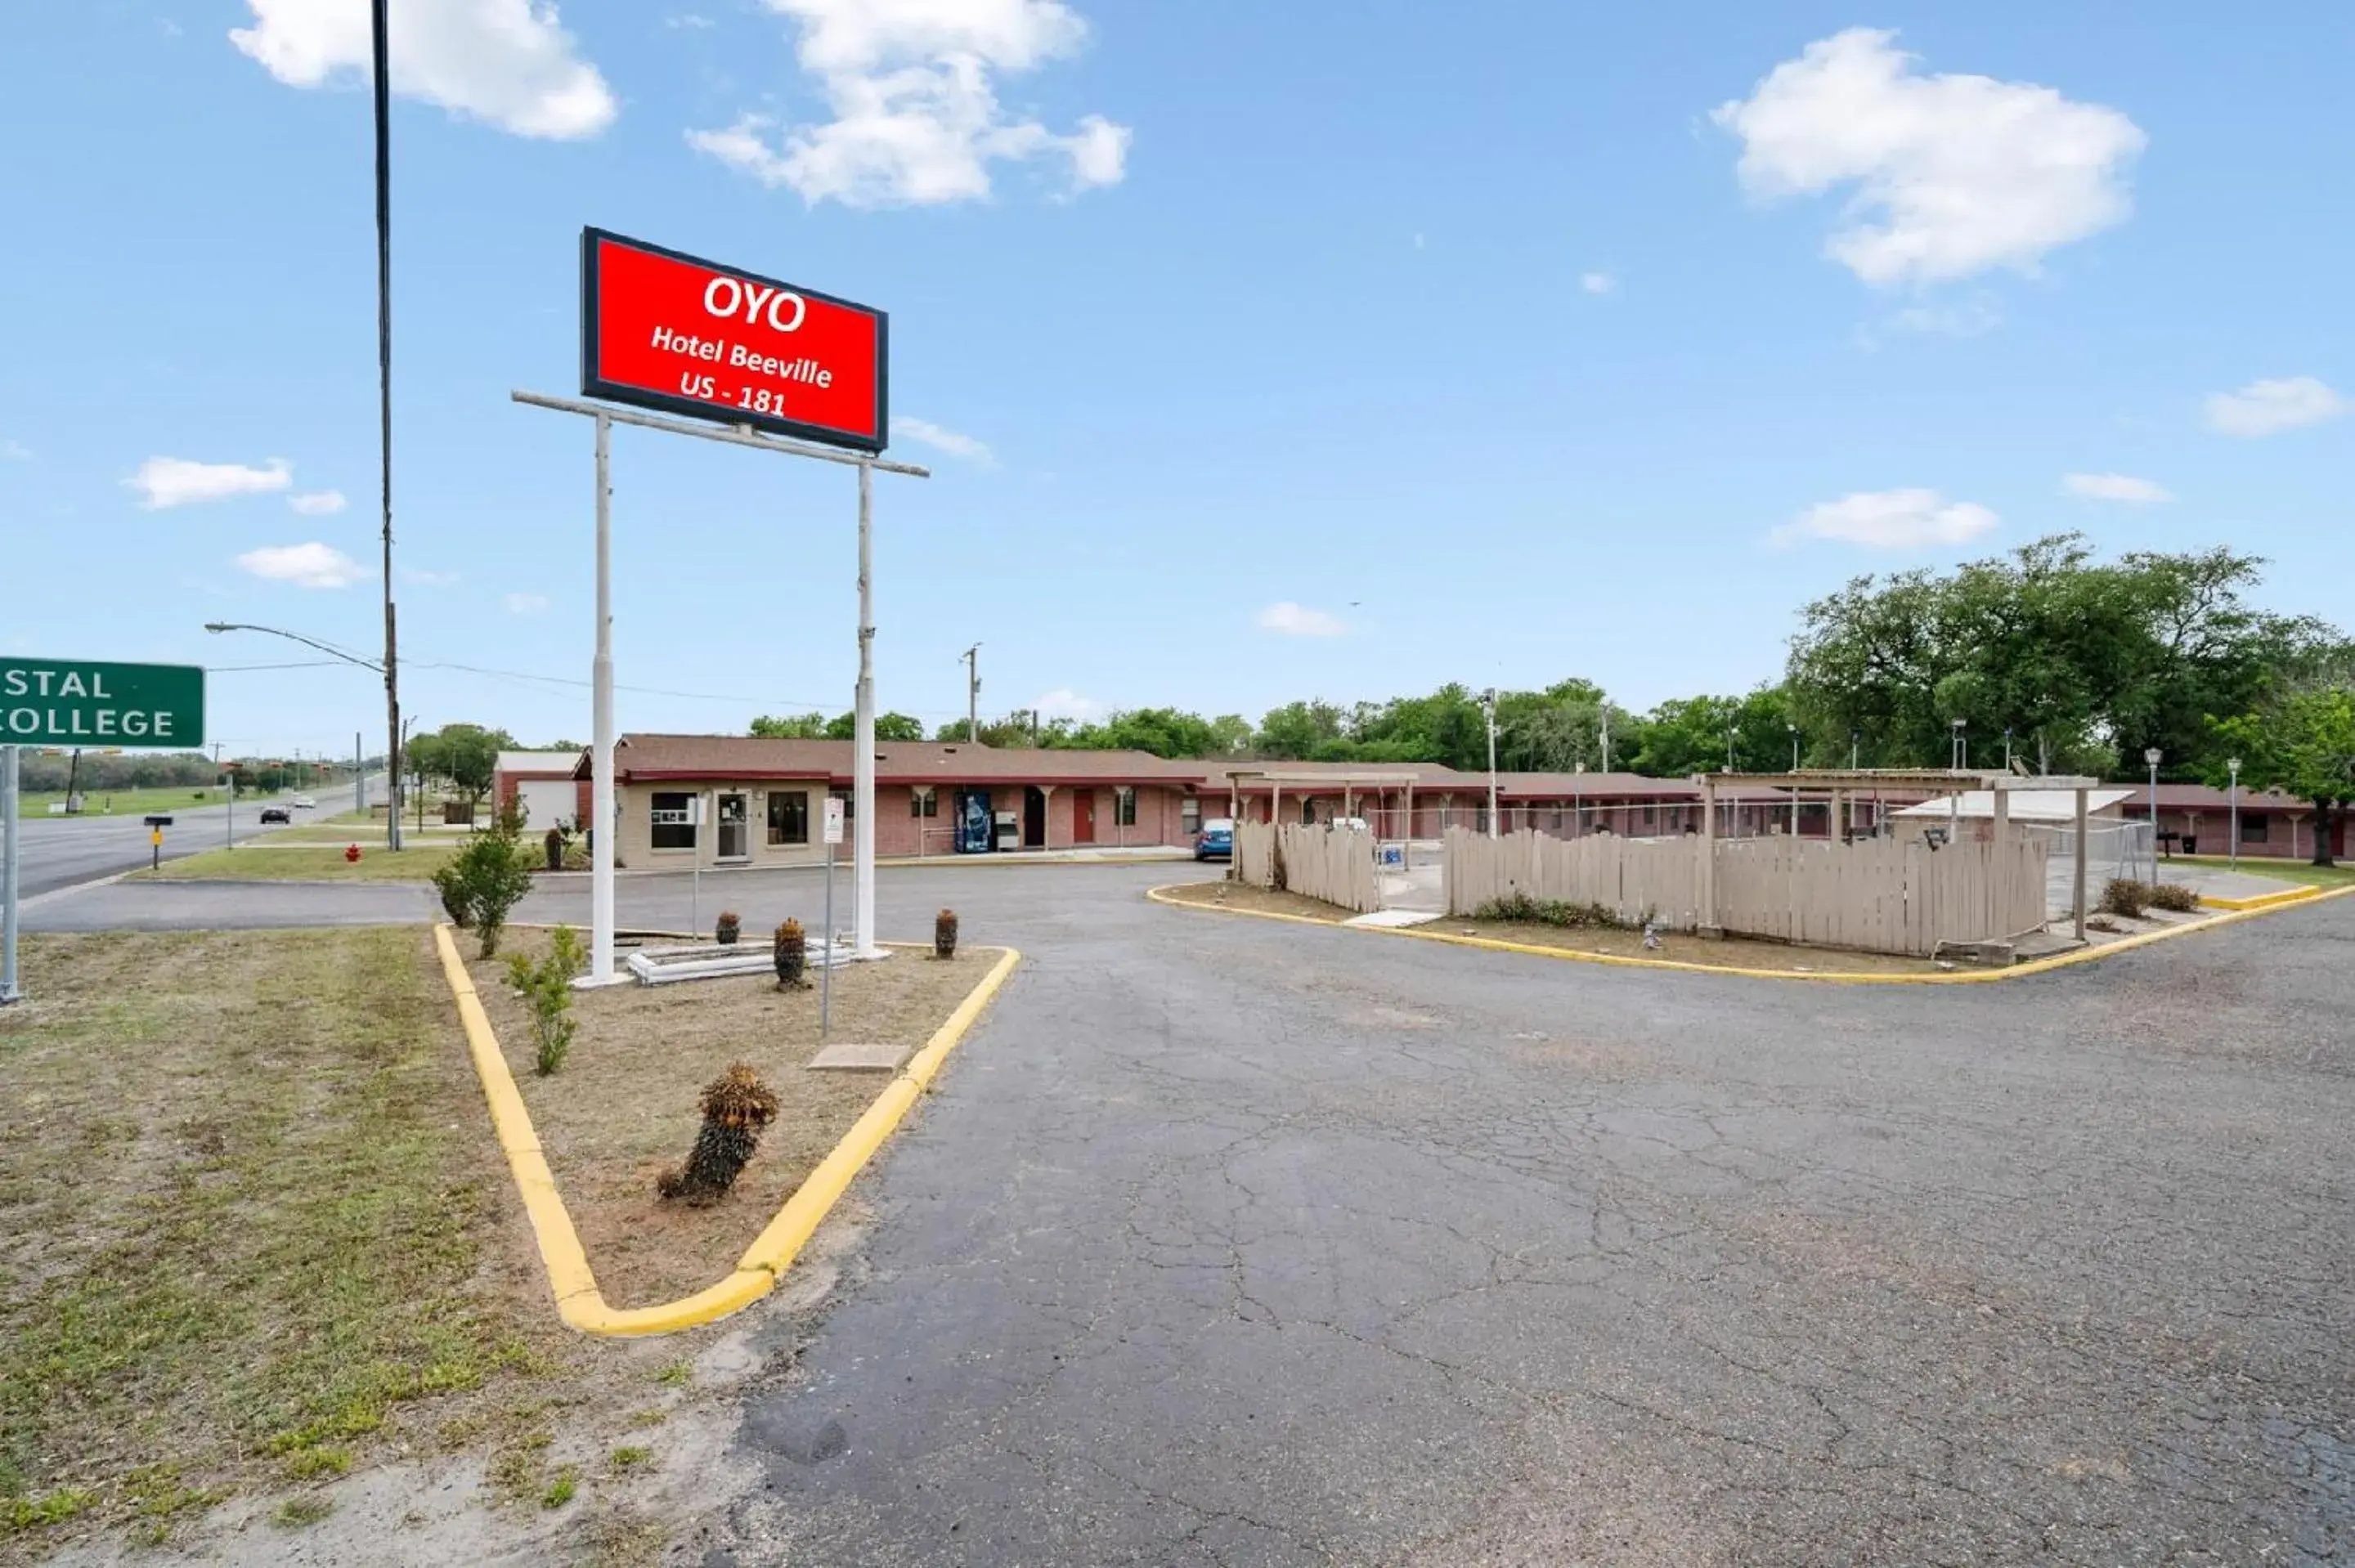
[
  {"x": 2233, "y": 764},
  {"x": 1730, "y": 731},
  {"x": 2007, "y": 748},
  {"x": 2151, "y": 755},
  {"x": 1959, "y": 753},
  {"x": 392, "y": 764}
]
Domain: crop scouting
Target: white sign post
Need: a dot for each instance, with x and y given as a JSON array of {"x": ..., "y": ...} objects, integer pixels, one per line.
[
  {"x": 601, "y": 878},
  {"x": 825, "y": 974}
]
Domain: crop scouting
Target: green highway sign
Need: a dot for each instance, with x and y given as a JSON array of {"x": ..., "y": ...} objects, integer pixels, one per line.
[{"x": 79, "y": 702}]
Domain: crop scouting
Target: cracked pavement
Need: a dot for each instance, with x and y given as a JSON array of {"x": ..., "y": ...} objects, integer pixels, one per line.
[{"x": 1226, "y": 1242}]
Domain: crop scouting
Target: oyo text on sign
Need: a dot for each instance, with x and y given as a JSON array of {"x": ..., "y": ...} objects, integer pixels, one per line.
[
  {"x": 669, "y": 331},
  {"x": 49, "y": 702}
]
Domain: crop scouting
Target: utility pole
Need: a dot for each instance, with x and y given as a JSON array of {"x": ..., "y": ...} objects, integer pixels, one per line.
[
  {"x": 971, "y": 657},
  {"x": 1488, "y": 707},
  {"x": 381, "y": 50}
]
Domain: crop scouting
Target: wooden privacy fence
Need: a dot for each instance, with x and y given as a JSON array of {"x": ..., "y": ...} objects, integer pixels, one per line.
[
  {"x": 1881, "y": 895},
  {"x": 1335, "y": 864}
]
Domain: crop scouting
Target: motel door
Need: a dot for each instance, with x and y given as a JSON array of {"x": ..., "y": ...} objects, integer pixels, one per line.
[
  {"x": 735, "y": 839},
  {"x": 1083, "y": 816}
]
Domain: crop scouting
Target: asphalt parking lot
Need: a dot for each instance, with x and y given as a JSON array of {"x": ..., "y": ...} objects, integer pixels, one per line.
[
  {"x": 1226, "y": 1242},
  {"x": 1234, "y": 1243}
]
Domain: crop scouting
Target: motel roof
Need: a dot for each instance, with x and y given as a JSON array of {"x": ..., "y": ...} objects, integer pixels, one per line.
[{"x": 649, "y": 758}]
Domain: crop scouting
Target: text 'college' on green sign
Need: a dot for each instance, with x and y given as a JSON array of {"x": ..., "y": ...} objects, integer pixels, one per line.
[{"x": 78, "y": 702}]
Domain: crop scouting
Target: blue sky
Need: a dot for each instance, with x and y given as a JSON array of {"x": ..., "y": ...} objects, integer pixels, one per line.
[{"x": 1257, "y": 354}]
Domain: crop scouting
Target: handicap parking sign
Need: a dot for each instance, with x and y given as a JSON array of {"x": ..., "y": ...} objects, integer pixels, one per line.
[{"x": 1393, "y": 856}]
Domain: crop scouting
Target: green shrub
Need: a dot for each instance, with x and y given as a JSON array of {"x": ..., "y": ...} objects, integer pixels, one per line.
[
  {"x": 2174, "y": 897},
  {"x": 1521, "y": 906},
  {"x": 546, "y": 988},
  {"x": 481, "y": 882},
  {"x": 2125, "y": 896}
]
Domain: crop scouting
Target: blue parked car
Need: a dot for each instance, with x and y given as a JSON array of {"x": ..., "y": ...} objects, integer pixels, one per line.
[{"x": 1216, "y": 841}]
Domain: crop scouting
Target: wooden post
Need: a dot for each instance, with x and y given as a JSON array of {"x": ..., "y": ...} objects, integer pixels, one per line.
[
  {"x": 1275, "y": 802},
  {"x": 1406, "y": 839},
  {"x": 2079, "y": 898},
  {"x": 1709, "y": 926}
]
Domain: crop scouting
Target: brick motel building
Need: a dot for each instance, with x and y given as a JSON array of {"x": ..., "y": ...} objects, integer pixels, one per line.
[{"x": 762, "y": 800}]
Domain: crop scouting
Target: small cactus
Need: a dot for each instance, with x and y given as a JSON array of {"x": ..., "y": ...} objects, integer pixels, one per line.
[
  {"x": 736, "y": 1106},
  {"x": 792, "y": 955},
  {"x": 944, "y": 934},
  {"x": 725, "y": 932}
]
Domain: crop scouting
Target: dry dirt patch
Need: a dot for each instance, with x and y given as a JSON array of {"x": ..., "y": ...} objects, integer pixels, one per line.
[{"x": 623, "y": 1105}]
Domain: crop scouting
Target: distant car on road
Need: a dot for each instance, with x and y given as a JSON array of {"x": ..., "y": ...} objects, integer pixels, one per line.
[
  {"x": 305, "y": 803},
  {"x": 1216, "y": 841},
  {"x": 276, "y": 814}
]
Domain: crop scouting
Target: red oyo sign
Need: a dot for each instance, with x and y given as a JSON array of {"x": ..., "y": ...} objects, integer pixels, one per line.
[{"x": 674, "y": 331}]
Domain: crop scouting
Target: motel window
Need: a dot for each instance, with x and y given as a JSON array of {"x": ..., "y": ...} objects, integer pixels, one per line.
[
  {"x": 1556, "y": 816},
  {"x": 674, "y": 822},
  {"x": 1189, "y": 815},
  {"x": 1651, "y": 815},
  {"x": 1307, "y": 811},
  {"x": 849, "y": 803},
  {"x": 1124, "y": 807},
  {"x": 2253, "y": 827},
  {"x": 789, "y": 816},
  {"x": 925, "y": 801}
]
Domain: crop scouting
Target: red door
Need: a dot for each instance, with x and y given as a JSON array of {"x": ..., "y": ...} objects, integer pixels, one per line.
[{"x": 1084, "y": 817}]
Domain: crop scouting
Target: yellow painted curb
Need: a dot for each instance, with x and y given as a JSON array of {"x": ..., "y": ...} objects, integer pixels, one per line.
[
  {"x": 578, "y": 1300},
  {"x": 2261, "y": 900},
  {"x": 1959, "y": 977}
]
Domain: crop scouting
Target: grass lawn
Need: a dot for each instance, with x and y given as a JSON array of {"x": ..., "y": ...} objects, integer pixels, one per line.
[
  {"x": 253, "y": 1227},
  {"x": 1733, "y": 952},
  {"x": 161, "y": 802},
  {"x": 622, "y": 1106},
  {"x": 302, "y": 862},
  {"x": 2341, "y": 875}
]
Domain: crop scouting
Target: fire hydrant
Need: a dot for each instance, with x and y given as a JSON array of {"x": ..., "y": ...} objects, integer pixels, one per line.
[{"x": 351, "y": 854}]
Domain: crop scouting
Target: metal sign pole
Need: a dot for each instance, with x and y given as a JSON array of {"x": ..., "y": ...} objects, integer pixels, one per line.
[
  {"x": 8, "y": 825},
  {"x": 600, "y": 739},
  {"x": 826, "y": 971},
  {"x": 862, "y": 767}
]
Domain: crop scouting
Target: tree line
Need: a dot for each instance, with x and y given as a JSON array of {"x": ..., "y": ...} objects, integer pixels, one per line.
[{"x": 2067, "y": 663}]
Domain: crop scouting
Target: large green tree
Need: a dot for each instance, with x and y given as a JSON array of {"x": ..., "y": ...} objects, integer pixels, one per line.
[
  {"x": 2085, "y": 662},
  {"x": 842, "y": 727},
  {"x": 2304, "y": 744},
  {"x": 467, "y": 755}
]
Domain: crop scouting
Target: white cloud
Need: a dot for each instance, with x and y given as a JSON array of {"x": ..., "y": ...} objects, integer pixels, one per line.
[
  {"x": 507, "y": 62},
  {"x": 312, "y": 566},
  {"x": 1890, "y": 520},
  {"x": 2262, "y": 407},
  {"x": 422, "y": 579},
  {"x": 954, "y": 442},
  {"x": 15, "y": 451},
  {"x": 1299, "y": 620},
  {"x": 1963, "y": 173},
  {"x": 527, "y": 604},
  {"x": 916, "y": 119},
  {"x": 164, "y": 481},
  {"x": 2116, "y": 487},
  {"x": 317, "y": 502},
  {"x": 1065, "y": 702},
  {"x": 687, "y": 19},
  {"x": 1597, "y": 282}
]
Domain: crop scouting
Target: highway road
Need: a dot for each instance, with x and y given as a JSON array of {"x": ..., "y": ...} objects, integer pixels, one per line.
[{"x": 60, "y": 852}]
